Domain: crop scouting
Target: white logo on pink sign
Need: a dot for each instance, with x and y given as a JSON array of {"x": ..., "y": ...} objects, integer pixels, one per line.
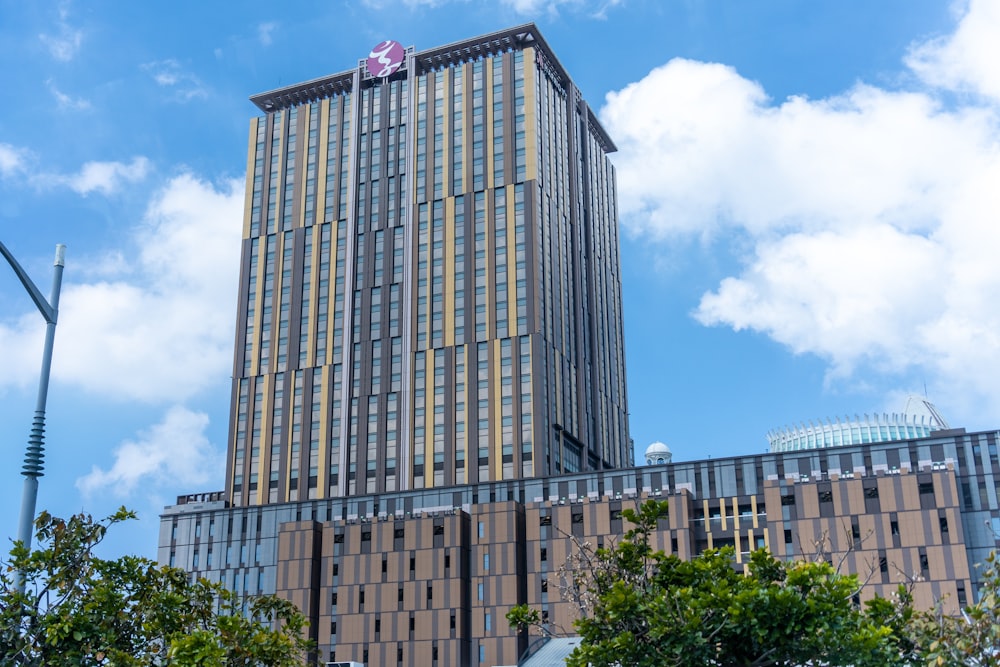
[{"x": 385, "y": 58}]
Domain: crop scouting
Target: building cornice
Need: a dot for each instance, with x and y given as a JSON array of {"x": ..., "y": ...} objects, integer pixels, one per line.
[{"x": 448, "y": 55}]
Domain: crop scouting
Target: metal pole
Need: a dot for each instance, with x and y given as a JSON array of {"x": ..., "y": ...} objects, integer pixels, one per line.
[{"x": 34, "y": 457}]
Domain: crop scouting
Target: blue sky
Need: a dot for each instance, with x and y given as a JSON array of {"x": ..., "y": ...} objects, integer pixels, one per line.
[{"x": 808, "y": 191}]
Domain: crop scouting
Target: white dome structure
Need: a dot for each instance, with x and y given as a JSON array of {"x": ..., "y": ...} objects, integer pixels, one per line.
[
  {"x": 919, "y": 420},
  {"x": 658, "y": 453}
]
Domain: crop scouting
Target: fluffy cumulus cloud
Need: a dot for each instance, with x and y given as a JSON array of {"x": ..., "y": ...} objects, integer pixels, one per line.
[
  {"x": 966, "y": 60},
  {"x": 872, "y": 217},
  {"x": 102, "y": 177},
  {"x": 107, "y": 177},
  {"x": 173, "y": 452},
  {"x": 148, "y": 325}
]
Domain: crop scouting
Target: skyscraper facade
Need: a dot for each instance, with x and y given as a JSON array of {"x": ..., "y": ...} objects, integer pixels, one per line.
[{"x": 430, "y": 288}]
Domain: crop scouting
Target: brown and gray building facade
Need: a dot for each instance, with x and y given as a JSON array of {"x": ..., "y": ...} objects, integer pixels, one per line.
[
  {"x": 424, "y": 577},
  {"x": 429, "y": 401}
]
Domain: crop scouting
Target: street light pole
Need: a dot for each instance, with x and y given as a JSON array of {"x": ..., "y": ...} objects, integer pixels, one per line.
[{"x": 34, "y": 457}]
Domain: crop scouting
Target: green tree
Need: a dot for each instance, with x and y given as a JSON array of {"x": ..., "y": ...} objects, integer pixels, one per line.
[
  {"x": 970, "y": 638},
  {"x": 642, "y": 608},
  {"x": 78, "y": 609}
]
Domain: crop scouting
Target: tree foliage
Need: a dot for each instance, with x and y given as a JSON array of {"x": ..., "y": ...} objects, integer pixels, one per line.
[
  {"x": 970, "y": 638},
  {"x": 639, "y": 607},
  {"x": 78, "y": 609}
]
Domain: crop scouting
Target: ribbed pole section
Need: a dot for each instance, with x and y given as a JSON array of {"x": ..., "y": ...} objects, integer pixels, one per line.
[{"x": 34, "y": 457}]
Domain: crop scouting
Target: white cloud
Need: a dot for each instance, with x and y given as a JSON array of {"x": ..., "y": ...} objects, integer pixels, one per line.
[
  {"x": 175, "y": 451},
  {"x": 592, "y": 8},
  {"x": 829, "y": 292},
  {"x": 967, "y": 59},
  {"x": 12, "y": 160},
  {"x": 107, "y": 177},
  {"x": 65, "y": 44},
  {"x": 870, "y": 219},
  {"x": 185, "y": 86},
  {"x": 265, "y": 32},
  {"x": 66, "y": 101},
  {"x": 596, "y": 9},
  {"x": 161, "y": 329},
  {"x": 703, "y": 148}
]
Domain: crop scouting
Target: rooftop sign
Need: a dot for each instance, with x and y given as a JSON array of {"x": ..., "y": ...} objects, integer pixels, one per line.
[{"x": 385, "y": 58}]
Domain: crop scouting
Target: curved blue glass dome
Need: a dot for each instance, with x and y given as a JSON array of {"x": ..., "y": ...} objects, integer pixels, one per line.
[{"x": 919, "y": 420}]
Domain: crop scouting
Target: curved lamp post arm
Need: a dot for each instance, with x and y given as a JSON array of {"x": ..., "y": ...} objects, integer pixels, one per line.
[
  {"x": 49, "y": 312},
  {"x": 34, "y": 457}
]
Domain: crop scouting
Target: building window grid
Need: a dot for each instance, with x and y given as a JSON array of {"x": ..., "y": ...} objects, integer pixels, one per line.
[
  {"x": 291, "y": 144},
  {"x": 457, "y": 161},
  {"x": 458, "y": 273},
  {"x": 267, "y": 304},
  {"x": 312, "y": 150},
  {"x": 305, "y": 300},
  {"x": 285, "y": 301},
  {"x": 500, "y": 261},
  {"x": 258, "y": 177},
  {"x": 272, "y": 187},
  {"x": 419, "y": 393},
  {"x": 333, "y": 142},
  {"x": 498, "y": 121},
  {"x": 252, "y": 279}
]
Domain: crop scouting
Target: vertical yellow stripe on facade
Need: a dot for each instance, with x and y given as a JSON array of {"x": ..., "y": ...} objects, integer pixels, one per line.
[
  {"x": 753, "y": 508},
  {"x": 737, "y": 543},
  {"x": 248, "y": 191},
  {"x": 722, "y": 511},
  {"x": 530, "y": 136}
]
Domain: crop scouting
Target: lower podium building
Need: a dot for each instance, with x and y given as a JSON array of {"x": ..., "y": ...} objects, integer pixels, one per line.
[{"x": 425, "y": 577}]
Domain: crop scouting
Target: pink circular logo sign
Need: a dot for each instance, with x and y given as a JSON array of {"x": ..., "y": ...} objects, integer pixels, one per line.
[{"x": 385, "y": 58}]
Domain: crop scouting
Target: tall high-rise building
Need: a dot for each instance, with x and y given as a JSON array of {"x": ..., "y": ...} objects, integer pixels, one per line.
[
  {"x": 429, "y": 398},
  {"x": 430, "y": 290}
]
